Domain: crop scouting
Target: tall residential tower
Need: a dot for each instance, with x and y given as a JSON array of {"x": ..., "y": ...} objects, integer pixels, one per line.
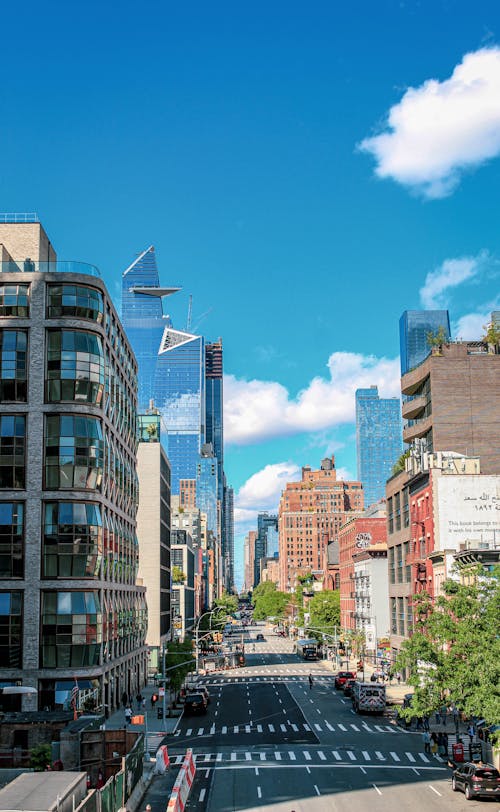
[{"x": 378, "y": 440}]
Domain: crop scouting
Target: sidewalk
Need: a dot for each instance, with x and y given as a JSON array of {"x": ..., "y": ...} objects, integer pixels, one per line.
[{"x": 156, "y": 728}]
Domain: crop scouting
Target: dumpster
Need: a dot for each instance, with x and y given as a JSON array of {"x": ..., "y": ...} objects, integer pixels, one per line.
[{"x": 458, "y": 752}]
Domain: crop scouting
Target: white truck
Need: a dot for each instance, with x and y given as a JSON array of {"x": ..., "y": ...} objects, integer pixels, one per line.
[{"x": 368, "y": 697}]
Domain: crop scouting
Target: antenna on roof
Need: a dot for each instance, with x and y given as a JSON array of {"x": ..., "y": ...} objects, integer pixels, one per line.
[{"x": 190, "y": 313}]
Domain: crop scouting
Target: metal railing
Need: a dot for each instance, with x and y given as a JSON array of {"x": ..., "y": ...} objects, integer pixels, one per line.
[
  {"x": 19, "y": 217},
  {"x": 60, "y": 266}
]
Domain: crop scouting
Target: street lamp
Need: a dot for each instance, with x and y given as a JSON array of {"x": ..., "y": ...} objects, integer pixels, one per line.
[{"x": 197, "y": 630}]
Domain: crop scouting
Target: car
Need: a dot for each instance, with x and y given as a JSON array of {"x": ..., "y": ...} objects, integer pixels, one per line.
[
  {"x": 342, "y": 677},
  {"x": 195, "y": 703},
  {"x": 347, "y": 688},
  {"x": 260, "y": 638},
  {"x": 198, "y": 689},
  {"x": 476, "y": 780}
]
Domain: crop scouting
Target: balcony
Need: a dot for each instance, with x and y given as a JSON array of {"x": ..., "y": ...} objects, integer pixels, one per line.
[
  {"x": 412, "y": 408},
  {"x": 419, "y": 429},
  {"x": 61, "y": 266}
]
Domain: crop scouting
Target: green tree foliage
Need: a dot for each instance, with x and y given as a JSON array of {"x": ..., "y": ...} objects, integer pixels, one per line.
[
  {"x": 438, "y": 338},
  {"x": 40, "y": 756},
  {"x": 400, "y": 464},
  {"x": 178, "y": 576},
  {"x": 324, "y": 612},
  {"x": 179, "y": 655},
  {"x": 228, "y": 603},
  {"x": 269, "y": 601},
  {"x": 454, "y": 653}
]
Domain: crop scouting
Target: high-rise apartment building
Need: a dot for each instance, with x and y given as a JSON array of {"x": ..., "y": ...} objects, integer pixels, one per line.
[
  {"x": 414, "y": 329},
  {"x": 249, "y": 559},
  {"x": 452, "y": 403},
  {"x": 214, "y": 432},
  {"x": 310, "y": 515},
  {"x": 71, "y": 613},
  {"x": 228, "y": 537},
  {"x": 378, "y": 440},
  {"x": 153, "y": 532},
  {"x": 183, "y": 588}
]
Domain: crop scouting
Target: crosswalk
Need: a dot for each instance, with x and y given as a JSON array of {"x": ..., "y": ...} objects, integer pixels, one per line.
[
  {"x": 268, "y": 676},
  {"x": 280, "y": 728},
  {"x": 312, "y": 757}
]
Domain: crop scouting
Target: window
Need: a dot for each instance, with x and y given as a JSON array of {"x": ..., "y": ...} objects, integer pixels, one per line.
[
  {"x": 71, "y": 629},
  {"x": 75, "y": 367},
  {"x": 72, "y": 540},
  {"x": 74, "y": 449},
  {"x": 13, "y": 369},
  {"x": 14, "y": 300},
  {"x": 75, "y": 300},
  {"x": 11, "y": 629},
  {"x": 12, "y": 451},
  {"x": 390, "y": 515},
  {"x": 392, "y": 570},
  {"x": 11, "y": 539}
]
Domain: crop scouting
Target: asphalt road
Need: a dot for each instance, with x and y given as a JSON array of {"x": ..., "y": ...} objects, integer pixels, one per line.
[{"x": 269, "y": 743}]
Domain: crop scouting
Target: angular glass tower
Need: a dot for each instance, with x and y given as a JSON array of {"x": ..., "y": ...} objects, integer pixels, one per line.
[
  {"x": 171, "y": 365},
  {"x": 414, "y": 326},
  {"x": 379, "y": 440}
]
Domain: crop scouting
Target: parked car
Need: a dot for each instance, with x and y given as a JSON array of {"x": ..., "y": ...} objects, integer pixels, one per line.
[
  {"x": 195, "y": 703},
  {"x": 198, "y": 689},
  {"x": 342, "y": 677},
  {"x": 476, "y": 780},
  {"x": 348, "y": 686},
  {"x": 260, "y": 638}
]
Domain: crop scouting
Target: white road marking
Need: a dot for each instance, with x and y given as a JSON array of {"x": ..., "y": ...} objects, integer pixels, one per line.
[
  {"x": 329, "y": 726},
  {"x": 235, "y": 729},
  {"x": 351, "y": 755},
  {"x": 365, "y": 755},
  {"x": 259, "y": 728},
  {"x": 435, "y": 790},
  {"x": 233, "y": 756},
  {"x": 423, "y": 757},
  {"x": 283, "y": 727},
  {"x": 394, "y": 756},
  {"x": 376, "y": 788},
  {"x": 295, "y": 728},
  {"x": 317, "y": 790},
  {"x": 308, "y": 769},
  {"x": 307, "y": 755},
  {"x": 200, "y": 731},
  {"x": 306, "y": 727},
  {"x": 354, "y": 727},
  {"x": 271, "y": 728},
  {"x": 342, "y": 727},
  {"x": 219, "y": 757},
  {"x": 318, "y": 727},
  {"x": 321, "y": 755},
  {"x": 248, "y": 756},
  {"x": 212, "y": 730},
  {"x": 336, "y": 755},
  {"x": 262, "y": 756},
  {"x": 410, "y": 757},
  {"x": 292, "y": 755},
  {"x": 224, "y": 729},
  {"x": 259, "y": 792},
  {"x": 188, "y": 732},
  {"x": 202, "y": 794},
  {"x": 208, "y": 756},
  {"x": 247, "y": 728},
  {"x": 379, "y": 755},
  {"x": 277, "y": 756},
  {"x": 362, "y": 769}
]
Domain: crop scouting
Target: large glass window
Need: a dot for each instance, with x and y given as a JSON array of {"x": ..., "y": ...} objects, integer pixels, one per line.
[
  {"x": 74, "y": 451},
  {"x": 72, "y": 540},
  {"x": 11, "y": 629},
  {"x": 14, "y": 300},
  {"x": 11, "y": 539},
  {"x": 13, "y": 365},
  {"x": 12, "y": 451},
  {"x": 71, "y": 629},
  {"x": 75, "y": 300},
  {"x": 75, "y": 366}
]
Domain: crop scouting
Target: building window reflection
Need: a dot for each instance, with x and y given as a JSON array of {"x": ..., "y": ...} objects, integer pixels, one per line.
[
  {"x": 75, "y": 367},
  {"x": 11, "y": 539},
  {"x": 12, "y": 451},
  {"x": 11, "y": 623},
  {"x": 14, "y": 300},
  {"x": 13, "y": 370},
  {"x": 71, "y": 629},
  {"x": 75, "y": 300},
  {"x": 74, "y": 449},
  {"x": 72, "y": 540}
]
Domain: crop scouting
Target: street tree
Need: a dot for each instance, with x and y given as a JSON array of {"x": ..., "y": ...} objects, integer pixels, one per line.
[
  {"x": 324, "y": 612},
  {"x": 181, "y": 656},
  {"x": 453, "y": 655},
  {"x": 269, "y": 601}
]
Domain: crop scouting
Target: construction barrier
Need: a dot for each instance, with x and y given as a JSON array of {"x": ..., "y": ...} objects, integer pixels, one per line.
[
  {"x": 183, "y": 784},
  {"x": 162, "y": 759}
]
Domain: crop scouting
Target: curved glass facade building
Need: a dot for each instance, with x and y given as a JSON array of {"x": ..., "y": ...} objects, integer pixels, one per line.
[{"x": 70, "y": 609}]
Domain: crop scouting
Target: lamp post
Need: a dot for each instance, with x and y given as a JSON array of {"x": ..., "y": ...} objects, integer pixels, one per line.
[{"x": 197, "y": 631}]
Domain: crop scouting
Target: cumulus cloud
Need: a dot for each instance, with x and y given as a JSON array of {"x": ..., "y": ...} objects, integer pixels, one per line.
[
  {"x": 262, "y": 492},
  {"x": 259, "y": 410},
  {"x": 449, "y": 274},
  {"x": 471, "y": 326},
  {"x": 440, "y": 129}
]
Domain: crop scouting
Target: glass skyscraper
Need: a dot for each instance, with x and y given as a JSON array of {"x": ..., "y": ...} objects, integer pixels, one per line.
[
  {"x": 171, "y": 365},
  {"x": 214, "y": 420},
  {"x": 207, "y": 487},
  {"x": 266, "y": 543},
  {"x": 379, "y": 440},
  {"x": 414, "y": 327}
]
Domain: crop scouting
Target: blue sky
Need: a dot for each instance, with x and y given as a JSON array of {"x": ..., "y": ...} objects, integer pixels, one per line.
[{"x": 305, "y": 172}]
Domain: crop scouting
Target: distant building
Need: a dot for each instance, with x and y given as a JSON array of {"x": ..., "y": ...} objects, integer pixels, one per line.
[
  {"x": 310, "y": 515},
  {"x": 414, "y": 328},
  {"x": 183, "y": 589},
  {"x": 371, "y": 610},
  {"x": 228, "y": 537},
  {"x": 269, "y": 570},
  {"x": 267, "y": 541},
  {"x": 378, "y": 440},
  {"x": 249, "y": 559}
]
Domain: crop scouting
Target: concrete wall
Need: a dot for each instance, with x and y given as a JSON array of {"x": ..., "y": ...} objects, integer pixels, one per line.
[{"x": 24, "y": 240}]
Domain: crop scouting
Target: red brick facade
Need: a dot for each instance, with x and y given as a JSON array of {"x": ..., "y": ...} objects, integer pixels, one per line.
[{"x": 356, "y": 534}]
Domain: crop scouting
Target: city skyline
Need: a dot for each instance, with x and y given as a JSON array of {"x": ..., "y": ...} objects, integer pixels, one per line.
[{"x": 288, "y": 194}]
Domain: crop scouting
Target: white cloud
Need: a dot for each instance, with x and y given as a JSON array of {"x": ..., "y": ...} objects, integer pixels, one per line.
[
  {"x": 440, "y": 129},
  {"x": 259, "y": 410},
  {"x": 471, "y": 326},
  {"x": 262, "y": 492},
  {"x": 449, "y": 274}
]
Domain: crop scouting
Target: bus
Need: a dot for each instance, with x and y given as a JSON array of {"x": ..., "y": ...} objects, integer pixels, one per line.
[{"x": 307, "y": 649}]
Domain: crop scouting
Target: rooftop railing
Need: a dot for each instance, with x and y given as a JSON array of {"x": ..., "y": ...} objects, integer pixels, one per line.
[
  {"x": 60, "y": 266},
  {"x": 19, "y": 217}
]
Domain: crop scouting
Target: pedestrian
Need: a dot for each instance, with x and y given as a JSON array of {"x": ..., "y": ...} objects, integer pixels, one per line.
[
  {"x": 143, "y": 703},
  {"x": 398, "y": 677},
  {"x": 434, "y": 744},
  {"x": 128, "y": 714},
  {"x": 124, "y": 699},
  {"x": 138, "y": 699},
  {"x": 154, "y": 700},
  {"x": 444, "y": 711},
  {"x": 441, "y": 744},
  {"x": 426, "y": 738},
  {"x": 426, "y": 723},
  {"x": 471, "y": 730},
  {"x": 445, "y": 742},
  {"x": 311, "y": 681},
  {"x": 438, "y": 718}
]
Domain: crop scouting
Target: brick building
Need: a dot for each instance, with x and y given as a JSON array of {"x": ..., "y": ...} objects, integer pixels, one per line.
[
  {"x": 310, "y": 515},
  {"x": 359, "y": 532}
]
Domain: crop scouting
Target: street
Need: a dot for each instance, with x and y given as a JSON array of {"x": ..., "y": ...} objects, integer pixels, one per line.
[{"x": 269, "y": 742}]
